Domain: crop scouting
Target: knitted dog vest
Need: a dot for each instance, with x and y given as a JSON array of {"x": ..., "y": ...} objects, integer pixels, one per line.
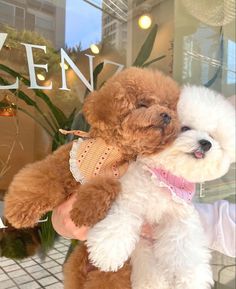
[{"x": 93, "y": 157}]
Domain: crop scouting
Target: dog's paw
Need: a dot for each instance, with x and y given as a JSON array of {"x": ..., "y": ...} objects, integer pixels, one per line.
[
  {"x": 22, "y": 214},
  {"x": 106, "y": 251},
  {"x": 93, "y": 201},
  {"x": 80, "y": 217}
]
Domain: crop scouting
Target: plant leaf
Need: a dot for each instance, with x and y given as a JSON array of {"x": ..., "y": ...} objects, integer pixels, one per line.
[
  {"x": 47, "y": 234},
  {"x": 20, "y": 94},
  {"x": 3, "y": 105},
  {"x": 73, "y": 244},
  {"x": 38, "y": 121},
  {"x": 221, "y": 56},
  {"x": 70, "y": 119},
  {"x": 58, "y": 114},
  {"x": 58, "y": 140},
  {"x": 213, "y": 79},
  {"x": 67, "y": 126},
  {"x": 53, "y": 120},
  {"x": 152, "y": 61},
  {"x": 146, "y": 48},
  {"x": 97, "y": 70},
  {"x": 80, "y": 122}
]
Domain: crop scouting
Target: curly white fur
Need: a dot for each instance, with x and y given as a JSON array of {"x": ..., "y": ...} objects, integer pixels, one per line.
[{"x": 179, "y": 257}]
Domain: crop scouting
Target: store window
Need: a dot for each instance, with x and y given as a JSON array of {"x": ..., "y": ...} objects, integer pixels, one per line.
[
  {"x": 205, "y": 55},
  {"x": 189, "y": 40},
  {"x": 7, "y": 13}
]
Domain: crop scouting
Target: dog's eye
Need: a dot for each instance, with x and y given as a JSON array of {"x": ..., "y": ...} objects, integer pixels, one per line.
[
  {"x": 142, "y": 104},
  {"x": 185, "y": 128}
]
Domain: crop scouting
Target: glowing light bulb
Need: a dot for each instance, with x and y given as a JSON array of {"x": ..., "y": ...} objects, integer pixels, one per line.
[
  {"x": 145, "y": 21},
  {"x": 7, "y": 108},
  {"x": 95, "y": 49},
  {"x": 65, "y": 66},
  {"x": 40, "y": 76}
]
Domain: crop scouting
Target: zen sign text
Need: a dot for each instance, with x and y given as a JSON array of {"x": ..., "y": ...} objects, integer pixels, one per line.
[{"x": 64, "y": 58}]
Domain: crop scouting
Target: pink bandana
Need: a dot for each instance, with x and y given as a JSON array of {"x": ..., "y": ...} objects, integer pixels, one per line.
[{"x": 180, "y": 188}]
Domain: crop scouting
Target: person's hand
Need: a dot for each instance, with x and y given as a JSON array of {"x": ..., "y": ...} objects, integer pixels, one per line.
[
  {"x": 65, "y": 227},
  {"x": 63, "y": 224}
]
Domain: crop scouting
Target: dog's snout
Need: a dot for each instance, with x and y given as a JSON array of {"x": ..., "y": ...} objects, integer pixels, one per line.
[
  {"x": 166, "y": 118},
  {"x": 205, "y": 145}
]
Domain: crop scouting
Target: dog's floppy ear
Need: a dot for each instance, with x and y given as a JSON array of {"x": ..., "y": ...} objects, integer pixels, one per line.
[
  {"x": 100, "y": 108},
  {"x": 93, "y": 109},
  {"x": 104, "y": 108}
]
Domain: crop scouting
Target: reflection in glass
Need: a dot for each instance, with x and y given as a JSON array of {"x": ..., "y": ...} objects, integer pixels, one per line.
[{"x": 205, "y": 55}]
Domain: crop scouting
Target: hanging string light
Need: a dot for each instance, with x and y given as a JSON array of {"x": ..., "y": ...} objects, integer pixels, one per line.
[{"x": 7, "y": 108}]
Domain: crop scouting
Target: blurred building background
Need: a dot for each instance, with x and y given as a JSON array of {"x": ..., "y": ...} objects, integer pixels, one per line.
[
  {"x": 114, "y": 23},
  {"x": 44, "y": 17}
]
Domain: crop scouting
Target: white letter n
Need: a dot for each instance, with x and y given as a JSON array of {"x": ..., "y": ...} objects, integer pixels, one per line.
[{"x": 64, "y": 56}]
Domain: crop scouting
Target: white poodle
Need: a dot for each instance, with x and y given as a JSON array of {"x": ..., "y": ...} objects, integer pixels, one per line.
[{"x": 158, "y": 190}]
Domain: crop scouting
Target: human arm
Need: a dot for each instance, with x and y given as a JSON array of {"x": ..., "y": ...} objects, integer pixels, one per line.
[
  {"x": 63, "y": 224},
  {"x": 219, "y": 222}
]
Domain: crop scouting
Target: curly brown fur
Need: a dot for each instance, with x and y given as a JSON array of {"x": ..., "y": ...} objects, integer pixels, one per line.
[
  {"x": 126, "y": 112},
  {"x": 75, "y": 268},
  {"x": 100, "y": 188},
  {"x": 38, "y": 188},
  {"x": 77, "y": 275},
  {"x": 109, "y": 280}
]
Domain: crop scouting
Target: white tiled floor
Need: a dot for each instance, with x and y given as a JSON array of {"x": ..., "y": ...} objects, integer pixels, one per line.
[
  {"x": 33, "y": 273},
  {"x": 227, "y": 267}
]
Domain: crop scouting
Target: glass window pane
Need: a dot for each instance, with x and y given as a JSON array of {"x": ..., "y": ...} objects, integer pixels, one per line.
[
  {"x": 6, "y": 13},
  {"x": 194, "y": 42},
  {"x": 204, "y": 54}
]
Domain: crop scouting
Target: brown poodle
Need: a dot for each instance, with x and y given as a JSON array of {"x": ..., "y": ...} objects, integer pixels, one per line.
[
  {"x": 135, "y": 112},
  {"x": 79, "y": 274}
]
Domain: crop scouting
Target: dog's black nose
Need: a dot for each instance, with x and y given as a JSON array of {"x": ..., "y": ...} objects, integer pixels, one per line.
[
  {"x": 205, "y": 145},
  {"x": 166, "y": 118}
]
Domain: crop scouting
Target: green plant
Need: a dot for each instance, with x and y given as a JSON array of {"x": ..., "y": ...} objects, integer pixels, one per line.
[{"x": 146, "y": 50}]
